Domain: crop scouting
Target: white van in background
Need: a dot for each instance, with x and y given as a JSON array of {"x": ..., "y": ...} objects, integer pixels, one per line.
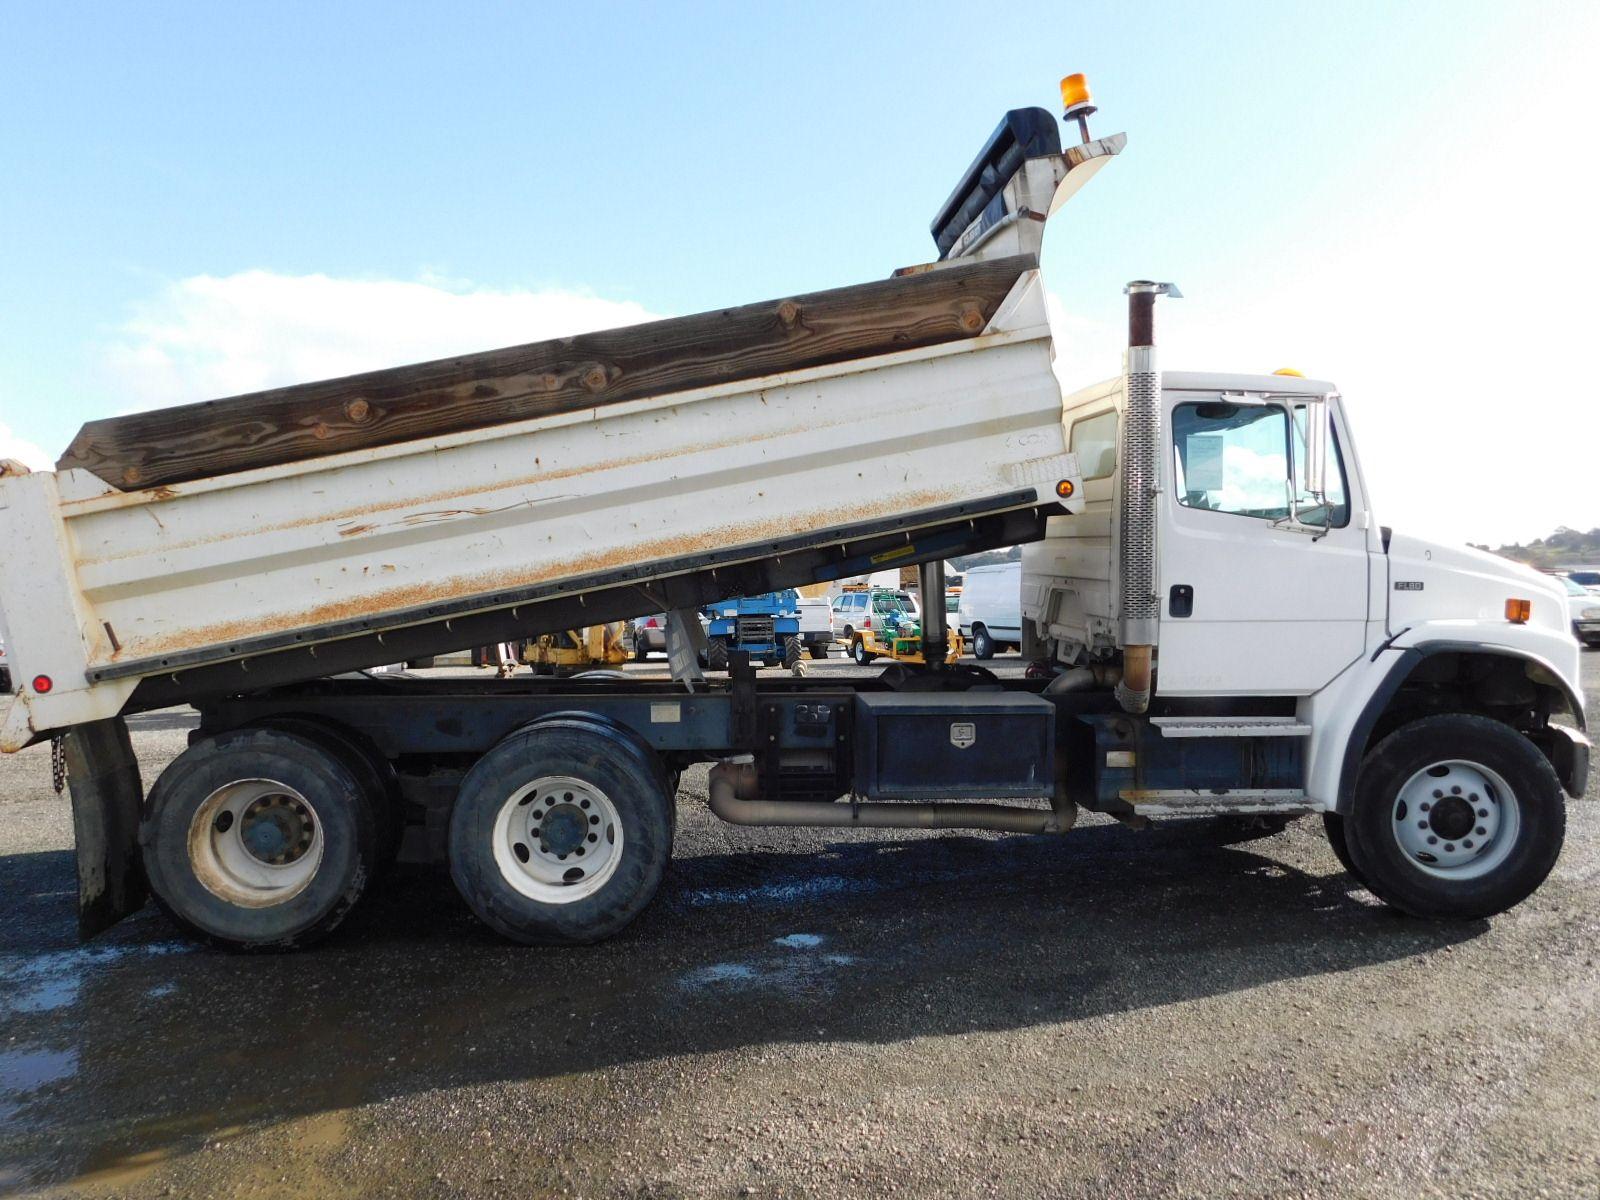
[{"x": 990, "y": 615}]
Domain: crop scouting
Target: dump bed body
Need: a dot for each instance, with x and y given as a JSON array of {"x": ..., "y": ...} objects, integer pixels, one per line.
[{"x": 279, "y": 537}]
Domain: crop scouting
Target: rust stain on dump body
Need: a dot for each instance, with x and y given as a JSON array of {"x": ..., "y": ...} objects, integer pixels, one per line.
[{"x": 395, "y": 602}]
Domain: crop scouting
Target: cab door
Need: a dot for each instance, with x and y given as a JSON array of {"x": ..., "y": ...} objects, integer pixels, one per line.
[{"x": 1252, "y": 605}]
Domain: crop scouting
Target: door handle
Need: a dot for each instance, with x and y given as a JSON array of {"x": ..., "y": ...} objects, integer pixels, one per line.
[{"x": 1180, "y": 600}]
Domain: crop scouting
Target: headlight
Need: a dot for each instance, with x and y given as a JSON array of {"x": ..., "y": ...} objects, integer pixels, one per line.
[{"x": 1588, "y": 614}]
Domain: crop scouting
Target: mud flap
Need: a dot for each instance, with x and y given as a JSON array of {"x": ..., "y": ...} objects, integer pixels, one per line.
[{"x": 107, "y": 793}]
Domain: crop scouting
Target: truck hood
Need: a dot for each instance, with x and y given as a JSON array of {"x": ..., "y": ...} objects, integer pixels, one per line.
[{"x": 1431, "y": 581}]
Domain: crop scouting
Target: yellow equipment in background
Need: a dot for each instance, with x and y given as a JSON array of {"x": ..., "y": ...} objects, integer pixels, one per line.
[
  {"x": 872, "y": 643},
  {"x": 576, "y": 649}
]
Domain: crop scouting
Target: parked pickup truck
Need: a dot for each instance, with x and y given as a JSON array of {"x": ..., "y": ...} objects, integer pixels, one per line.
[{"x": 1225, "y": 625}]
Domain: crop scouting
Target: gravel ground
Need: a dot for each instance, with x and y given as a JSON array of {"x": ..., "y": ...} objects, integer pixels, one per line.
[{"x": 808, "y": 1014}]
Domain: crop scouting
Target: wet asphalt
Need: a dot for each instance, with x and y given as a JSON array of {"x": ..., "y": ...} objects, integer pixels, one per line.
[{"x": 813, "y": 1014}]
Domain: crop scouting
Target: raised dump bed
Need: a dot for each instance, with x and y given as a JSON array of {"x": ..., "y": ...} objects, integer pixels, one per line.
[{"x": 285, "y": 535}]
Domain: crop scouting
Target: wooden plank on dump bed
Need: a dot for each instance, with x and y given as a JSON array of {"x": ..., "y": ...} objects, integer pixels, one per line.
[{"x": 311, "y": 420}]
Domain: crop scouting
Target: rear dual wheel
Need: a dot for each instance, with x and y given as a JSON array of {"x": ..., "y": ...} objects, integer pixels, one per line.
[
  {"x": 260, "y": 839},
  {"x": 561, "y": 834}
]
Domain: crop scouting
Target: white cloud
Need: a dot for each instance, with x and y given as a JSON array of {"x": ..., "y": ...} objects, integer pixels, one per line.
[
  {"x": 209, "y": 336},
  {"x": 27, "y": 453}
]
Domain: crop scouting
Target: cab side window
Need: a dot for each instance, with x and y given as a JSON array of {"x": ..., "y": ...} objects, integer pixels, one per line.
[
  {"x": 1234, "y": 458},
  {"x": 1094, "y": 441}
]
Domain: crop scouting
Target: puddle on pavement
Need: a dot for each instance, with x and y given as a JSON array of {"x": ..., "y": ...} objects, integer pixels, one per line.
[
  {"x": 797, "y": 971},
  {"x": 27, "y": 1069},
  {"x": 114, "y": 1170},
  {"x": 799, "y": 941},
  {"x": 796, "y": 891},
  {"x": 43, "y": 983}
]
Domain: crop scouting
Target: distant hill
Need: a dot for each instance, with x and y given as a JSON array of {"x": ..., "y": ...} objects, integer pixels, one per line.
[{"x": 1563, "y": 548}]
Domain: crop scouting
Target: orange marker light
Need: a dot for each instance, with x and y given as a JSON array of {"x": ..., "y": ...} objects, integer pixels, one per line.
[
  {"x": 1075, "y": 95},
  {"x": 1290, "y": 371},
  {"x": 1518, "y": 611},
  {"x": 1065, "y": 489}
]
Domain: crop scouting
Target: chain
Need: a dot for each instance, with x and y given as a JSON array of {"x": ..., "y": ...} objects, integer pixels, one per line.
[{"x": 58, "y": 762}]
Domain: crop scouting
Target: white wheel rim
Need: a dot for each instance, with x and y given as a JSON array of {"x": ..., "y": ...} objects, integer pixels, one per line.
[
  {"x": 557, "y": 839},
  {"x": 255, "y": 843},
  {"x": 1456, "y": 819}
]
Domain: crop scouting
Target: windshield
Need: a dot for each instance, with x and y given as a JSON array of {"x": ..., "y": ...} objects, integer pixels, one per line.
[{"x": 1574, "y": 588}]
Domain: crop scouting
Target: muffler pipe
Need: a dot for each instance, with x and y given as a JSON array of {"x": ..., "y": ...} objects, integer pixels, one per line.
[
  {"x": 735, "y": 790},
  {"x": 1139, "y": 604},
  {"x": 1082, "y": 679}
]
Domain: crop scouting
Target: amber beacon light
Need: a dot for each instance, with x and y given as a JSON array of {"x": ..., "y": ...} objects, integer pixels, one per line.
[
  {"x": 1518, "y": 611},
  {"x": 1077, "y": 102}
]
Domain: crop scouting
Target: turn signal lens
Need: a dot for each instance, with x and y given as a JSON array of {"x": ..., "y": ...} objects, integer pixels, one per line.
[
  {"x": 42, "y": 684},
  {"x": 1065, "y": 489},
  {"x": 1518, "y": 611},
  {"x": 1075, "y": 93}
]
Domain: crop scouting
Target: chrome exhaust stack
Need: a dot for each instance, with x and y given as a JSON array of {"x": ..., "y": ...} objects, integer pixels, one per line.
[{"x": 1139, "y": 604}]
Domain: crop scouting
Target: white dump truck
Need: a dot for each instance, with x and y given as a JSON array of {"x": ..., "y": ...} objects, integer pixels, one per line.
[{"x": 1219, "y": 624}]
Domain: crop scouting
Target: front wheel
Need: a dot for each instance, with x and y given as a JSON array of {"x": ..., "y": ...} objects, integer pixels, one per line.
[
  {"x": 1333, "y": 826},
  {"x": 793, "y": 651},
  {"x": 1455, "y": 816},
  {"x": 560, "y": 834}
]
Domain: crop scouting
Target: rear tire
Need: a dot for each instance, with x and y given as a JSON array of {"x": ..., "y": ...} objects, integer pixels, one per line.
[
  {"x": 1455, "y": 817},
  {"x": 819, "y": 652},
  {"x": 859, "y": 652},
  {"x": 372, "y": 770},
  {"x": 258, "y": 839},
  {"x": 793, "y": 652},
  {"x": 982, "y": 643},
  {"x": 717, "y": 655},
  {"x": 561, "y": 833}
]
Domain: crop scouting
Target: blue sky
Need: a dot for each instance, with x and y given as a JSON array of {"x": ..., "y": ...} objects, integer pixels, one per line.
[{"x": 202, "y": 198}]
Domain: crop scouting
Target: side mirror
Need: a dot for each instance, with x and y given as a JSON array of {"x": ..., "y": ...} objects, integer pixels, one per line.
[
  {"x": 1308, "y": 478},
  {"x": 1318, "y": 438}
]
